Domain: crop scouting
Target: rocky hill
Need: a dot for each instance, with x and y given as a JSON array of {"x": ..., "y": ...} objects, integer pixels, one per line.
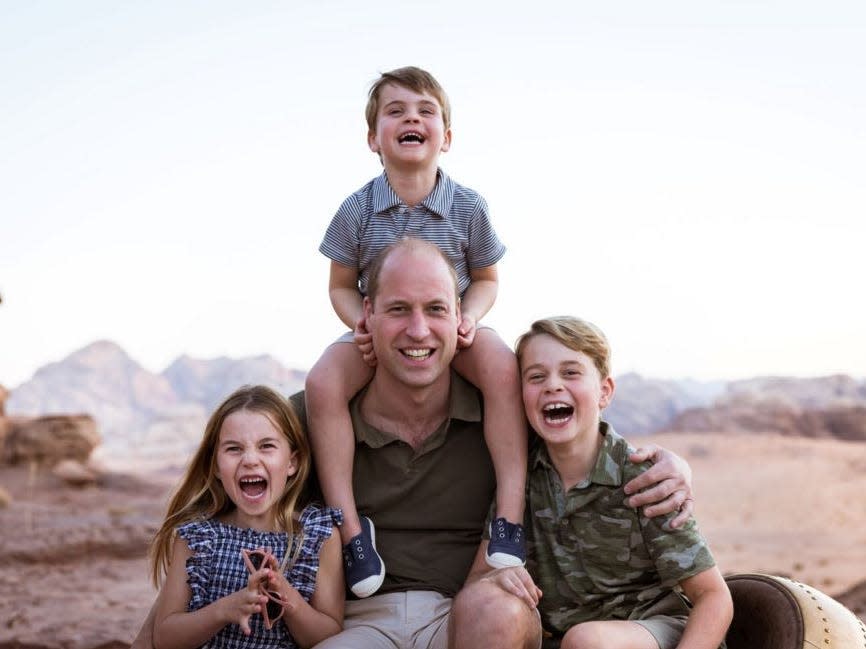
[{"x": 141, "y": 414}]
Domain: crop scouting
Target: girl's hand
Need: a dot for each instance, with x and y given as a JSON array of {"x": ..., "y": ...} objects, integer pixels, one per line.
[
  {"x": 277, "y": 583},
  {"x": 364, "y": 341},
  {"x": 466, "y": 331},
  {"x": 239, "y": 607}
]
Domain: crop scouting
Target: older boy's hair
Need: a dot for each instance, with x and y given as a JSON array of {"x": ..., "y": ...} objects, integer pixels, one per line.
[
  {"x": 574, "y": 333},
  {"x": 414, "y": 79}
]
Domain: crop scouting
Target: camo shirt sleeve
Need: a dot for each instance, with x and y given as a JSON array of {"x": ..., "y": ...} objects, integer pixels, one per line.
[{"x": 676, "y": 553}]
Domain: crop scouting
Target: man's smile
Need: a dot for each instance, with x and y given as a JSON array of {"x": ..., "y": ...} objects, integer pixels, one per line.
[{"x": 417, "y": 354}]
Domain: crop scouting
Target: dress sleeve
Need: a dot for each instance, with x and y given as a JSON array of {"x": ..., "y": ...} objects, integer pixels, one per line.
[
  {"x": 200, "y": 538},
  {"x": 318, "y": 524}
]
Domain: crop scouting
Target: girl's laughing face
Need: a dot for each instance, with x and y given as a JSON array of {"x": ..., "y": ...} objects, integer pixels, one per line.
[{"x": 254, "y": 462}]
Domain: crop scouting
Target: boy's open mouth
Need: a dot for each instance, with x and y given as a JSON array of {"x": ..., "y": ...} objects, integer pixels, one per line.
[
  {"x": 253, "y": 487},
  {"x": 557, "y": 413},
  {"x": 412, "y": 137}
]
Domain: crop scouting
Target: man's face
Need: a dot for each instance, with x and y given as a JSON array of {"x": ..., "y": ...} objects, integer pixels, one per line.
[{"x": 414, "y": 318}]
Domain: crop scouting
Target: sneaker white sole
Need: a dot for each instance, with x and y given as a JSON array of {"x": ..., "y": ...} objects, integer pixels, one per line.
[
  {"x": 502, "y": 560},
  {"x": 371, "y": 584}
]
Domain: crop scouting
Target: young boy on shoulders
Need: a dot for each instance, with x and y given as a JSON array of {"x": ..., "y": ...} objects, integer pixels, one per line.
[
  {"x": 610, "y": 576},
  {"x": 409, "y": 126}
]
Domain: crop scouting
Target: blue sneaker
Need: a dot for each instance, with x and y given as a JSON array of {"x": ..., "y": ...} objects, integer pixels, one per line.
[
  {"x": 507, "y": 546},
  {"x": 365, "y": 570}
]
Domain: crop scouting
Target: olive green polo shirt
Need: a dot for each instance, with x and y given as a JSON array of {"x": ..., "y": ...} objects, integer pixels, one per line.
[
  {"x": 428, "y": 505},
  {"x": 594, "y": 557}
]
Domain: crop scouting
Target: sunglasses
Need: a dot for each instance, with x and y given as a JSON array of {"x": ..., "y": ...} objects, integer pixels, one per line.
[{"x": 255, "y": 560}]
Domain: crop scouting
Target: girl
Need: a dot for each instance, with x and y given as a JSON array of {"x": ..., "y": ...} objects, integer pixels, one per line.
[{"x": 241, "y": 568}]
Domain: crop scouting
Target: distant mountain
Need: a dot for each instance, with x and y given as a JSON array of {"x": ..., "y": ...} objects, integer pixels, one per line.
[
  {"x": 207, "y": 382},
  {"x": 641, "y": 406},
  {"x": 138, "y": 411},
  {"x": 144, "y": 415},
  {"x": 829, "y": 406}
]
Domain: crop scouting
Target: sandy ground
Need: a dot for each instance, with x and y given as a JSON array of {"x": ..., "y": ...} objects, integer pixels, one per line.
[{"x": 73, "y": 568}]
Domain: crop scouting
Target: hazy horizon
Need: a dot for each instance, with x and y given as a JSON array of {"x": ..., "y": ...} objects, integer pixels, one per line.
[{"x": 688, "y": 176}]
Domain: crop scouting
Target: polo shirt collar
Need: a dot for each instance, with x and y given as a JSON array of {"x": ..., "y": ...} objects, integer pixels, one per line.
[
  {"x": 608, "y": 466},
  {"x": 464, "y": 404},
  {"x": 438, "y": 201}
]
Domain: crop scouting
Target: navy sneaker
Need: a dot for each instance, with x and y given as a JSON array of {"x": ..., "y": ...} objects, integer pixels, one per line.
[
  {"x": 365, "y": 570},
  {"x": 507, "y": 546}
]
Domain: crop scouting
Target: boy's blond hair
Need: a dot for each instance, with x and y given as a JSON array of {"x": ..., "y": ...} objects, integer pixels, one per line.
[
  {"x": 574, "y": 333},
  {"x": 414, "y": 79}
]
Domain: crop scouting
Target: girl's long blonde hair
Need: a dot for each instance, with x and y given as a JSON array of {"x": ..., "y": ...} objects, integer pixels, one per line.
[{"x": 201, "y": 496}]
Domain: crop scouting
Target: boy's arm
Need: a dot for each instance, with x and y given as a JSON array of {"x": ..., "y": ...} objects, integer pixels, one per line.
[
  {"x": 477, "y": 301},
  {"x": 667, "y": 484},
  {"x": 345, "y": 296},
  {"x": 711, "y": 613}
]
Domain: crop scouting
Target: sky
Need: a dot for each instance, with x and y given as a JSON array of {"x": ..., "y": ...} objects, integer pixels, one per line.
[{"x": 690, "y": 176}]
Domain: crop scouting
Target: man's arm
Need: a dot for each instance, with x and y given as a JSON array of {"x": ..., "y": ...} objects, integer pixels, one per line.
[{"x": 663, "y": 488}]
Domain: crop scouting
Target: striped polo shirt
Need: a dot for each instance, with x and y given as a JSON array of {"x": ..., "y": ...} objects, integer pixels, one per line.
[{"x": 453, "y": 217}]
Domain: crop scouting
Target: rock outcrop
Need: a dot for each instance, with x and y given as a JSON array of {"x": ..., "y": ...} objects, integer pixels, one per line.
[{"x": 48, "y": 440}]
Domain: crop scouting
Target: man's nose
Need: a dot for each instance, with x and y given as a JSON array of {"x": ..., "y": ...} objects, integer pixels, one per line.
[{"x": 418, "y": 327}]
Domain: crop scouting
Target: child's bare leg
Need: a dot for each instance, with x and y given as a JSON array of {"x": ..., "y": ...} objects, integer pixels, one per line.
[
  {"x": 491, "y": 366},
  {"x": 335, "y": 378},
  {"x": 608, "y": 635}
]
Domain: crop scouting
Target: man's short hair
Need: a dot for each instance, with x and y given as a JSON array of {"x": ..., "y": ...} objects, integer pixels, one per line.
[
  {"x": 414, "y": 79},
  {"x": 407, "y": 243},
  {"x": 574, "y": 333}
]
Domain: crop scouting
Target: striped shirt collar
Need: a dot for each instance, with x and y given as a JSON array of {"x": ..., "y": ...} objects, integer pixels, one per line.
[{"x": 438, "y": 201}]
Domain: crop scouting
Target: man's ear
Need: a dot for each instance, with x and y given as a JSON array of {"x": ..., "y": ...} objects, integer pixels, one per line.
[
  {"x": 608, "y": 387},
  {"x": 368, "y": 308}
]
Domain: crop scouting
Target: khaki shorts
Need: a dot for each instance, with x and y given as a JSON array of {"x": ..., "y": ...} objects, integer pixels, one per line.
[{"x": 416, "y": 619}]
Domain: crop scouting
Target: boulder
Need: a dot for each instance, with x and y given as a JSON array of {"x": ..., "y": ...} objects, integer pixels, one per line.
[
  {"x": 74, "y": 473},
  {"x": 47, "y": 440}
]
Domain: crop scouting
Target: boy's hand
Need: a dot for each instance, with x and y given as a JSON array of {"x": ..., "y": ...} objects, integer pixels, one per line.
[
  {"x": 517, "y": 582},
  {"x": 364, "y": 341},
  {"x": 466, "y": 331},
  {"x": 667, "y": 484}
]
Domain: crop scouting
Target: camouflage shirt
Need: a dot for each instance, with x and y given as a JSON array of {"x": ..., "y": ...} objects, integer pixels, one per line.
[{"x": 594, "y": 557}]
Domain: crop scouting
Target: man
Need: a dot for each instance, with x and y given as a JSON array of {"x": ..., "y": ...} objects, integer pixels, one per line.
[{"x": 422, "y": 468}]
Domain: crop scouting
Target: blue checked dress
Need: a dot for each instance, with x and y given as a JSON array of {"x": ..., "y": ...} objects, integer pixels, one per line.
[{"x": 216, "y": 569}]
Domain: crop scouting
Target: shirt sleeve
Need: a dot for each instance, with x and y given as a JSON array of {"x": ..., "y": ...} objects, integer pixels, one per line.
[
  {"x": 342, "y": 238},
  {"x": 485, "y": 248},
  {"x": 678, "y": 554}
]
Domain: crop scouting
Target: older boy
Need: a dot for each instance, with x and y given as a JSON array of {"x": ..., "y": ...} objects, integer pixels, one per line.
[
  {"x": 408, "y": 117},
  {"x": 610, "y": 576}
]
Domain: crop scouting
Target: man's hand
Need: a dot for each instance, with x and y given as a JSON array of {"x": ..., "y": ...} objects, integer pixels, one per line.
[
  {"x": 517, "y": 582},
  {"x": 666, "y": 486},
  {"x": 466, "y": 331},
  {"x": 364, "y": 342}
]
